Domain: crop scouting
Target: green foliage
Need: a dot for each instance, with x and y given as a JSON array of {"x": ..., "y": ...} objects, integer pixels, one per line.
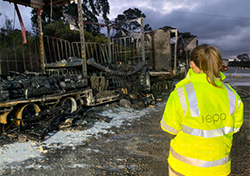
[
  {"x": 13, "y": 52},
  {"x": 91, "y": 10},
  {"x": 183, "y": 34},
  {"x": 55, "y": 28},
  {"x": 147, "y": 27},
  {"x": 60, "y": 29},
  {"x": 8, "y": 24},
  {"x": 34, "y": 22},
  {"x": 130, "y": 14},
  {"x": 100, "y": 39}
]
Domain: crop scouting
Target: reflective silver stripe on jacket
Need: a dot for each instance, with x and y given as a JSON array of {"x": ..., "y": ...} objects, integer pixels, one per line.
[
  {"x": 181, "y": 95},
  {"x": 168, "y": 128},
  {"x": 232, "y": 98},
  {"x": 197, "y": 162},
  {"x": 194, "y": 109},
  {"x": 239, "y": 101},
  {"x": 193, "y": 104},
  {"x": 207, "y": 133},
  {"x": 236, "y": 130}
]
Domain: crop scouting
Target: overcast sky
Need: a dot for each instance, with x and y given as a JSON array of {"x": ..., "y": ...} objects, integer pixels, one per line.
[{"x": 221, "y": 23}]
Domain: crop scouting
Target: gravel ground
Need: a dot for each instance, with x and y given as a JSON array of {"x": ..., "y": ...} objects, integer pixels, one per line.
[
  {"x": 138, "y": 148},
  {"x": 240, "y": 154}
]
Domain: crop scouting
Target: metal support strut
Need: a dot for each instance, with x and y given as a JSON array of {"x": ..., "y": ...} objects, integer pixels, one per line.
[{"x": 81, "y": 26}]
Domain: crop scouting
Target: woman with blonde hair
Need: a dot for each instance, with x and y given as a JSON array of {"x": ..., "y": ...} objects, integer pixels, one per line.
[{"x": 201, "y": 116}]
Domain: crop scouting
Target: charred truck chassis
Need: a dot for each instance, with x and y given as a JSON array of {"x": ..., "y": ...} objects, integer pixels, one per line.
[{"x": 124, "y": 67}]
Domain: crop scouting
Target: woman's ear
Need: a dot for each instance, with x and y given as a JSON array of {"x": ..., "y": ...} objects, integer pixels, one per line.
[
  {"x": 195, "y": 68},
  {"x": 192, "y": 64}
]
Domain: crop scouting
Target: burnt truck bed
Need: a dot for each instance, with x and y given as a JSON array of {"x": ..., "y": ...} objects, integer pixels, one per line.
[{"x": 23, "y": 92}]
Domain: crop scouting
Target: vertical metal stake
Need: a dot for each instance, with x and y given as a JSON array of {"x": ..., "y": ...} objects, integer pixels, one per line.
[
  {"x": 142, "y": 41},
  {"x": 143, "y": 53},
  {"x": 109, "y": 44},
  {"x": 81, "y": 25},
  {"x": 39, "y": 12}
]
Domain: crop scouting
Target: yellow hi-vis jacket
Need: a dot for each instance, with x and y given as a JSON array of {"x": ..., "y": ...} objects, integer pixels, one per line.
[{"x": 204, "y": 119}]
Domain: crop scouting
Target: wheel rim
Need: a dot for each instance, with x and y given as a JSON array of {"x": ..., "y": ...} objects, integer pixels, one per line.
[
  {"x": 71, "y": 105},
  {"x": 27, "y": 112}
]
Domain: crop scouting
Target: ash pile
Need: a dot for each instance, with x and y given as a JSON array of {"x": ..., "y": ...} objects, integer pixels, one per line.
[{"x": 28, "y": 85}]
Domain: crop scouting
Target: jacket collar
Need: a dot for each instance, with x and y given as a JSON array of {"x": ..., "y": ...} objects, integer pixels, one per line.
[{"x": 196, "y": 77}]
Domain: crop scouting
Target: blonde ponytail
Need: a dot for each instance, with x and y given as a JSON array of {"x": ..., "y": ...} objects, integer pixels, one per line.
[{"x": 208, "y": 59}]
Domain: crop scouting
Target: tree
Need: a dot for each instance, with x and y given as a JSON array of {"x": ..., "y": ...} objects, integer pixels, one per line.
[
  {"x": 8, "y": 24},
  {"x": 5, "y": 34},
  {"x": 147, "y": 27},
  {"x": 243, "y": 57},
  {"x": 169, "y": 27},
  {"x": 60, "y": 30},
  {"x": 183, "y": 34},
  {"x": 130, "y": 14},
  {"x": 91, "y": 10}
]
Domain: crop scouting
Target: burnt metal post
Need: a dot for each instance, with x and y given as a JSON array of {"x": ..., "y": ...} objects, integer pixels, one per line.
[
  {"x": 175, "y": 49},
  {"x": 142, "y": 41},
  {"x": 31, "y": 64},
  {"x": 39, "y": 12},
  {"x": 24, "y": 62},
  {"x": 109, "y": 44},
  {"x": 81, "y": 26},
  {"x": 144, "y": 81},
  {"x": 0, "y": 66}
]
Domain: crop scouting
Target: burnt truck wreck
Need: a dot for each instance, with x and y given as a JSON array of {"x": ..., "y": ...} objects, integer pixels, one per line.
[{"x": 38, "y": 91}]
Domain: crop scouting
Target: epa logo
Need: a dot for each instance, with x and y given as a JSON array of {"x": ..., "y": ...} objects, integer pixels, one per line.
[{"x": 214, "y": 118}]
